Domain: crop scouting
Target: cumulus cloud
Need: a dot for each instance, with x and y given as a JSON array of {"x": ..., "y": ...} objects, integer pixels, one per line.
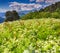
[
  {"x": 32, "y": 0},
  {"x": 56, "y": 0},
  {"x": 51, "y": 1},
  {"x": 23, "y": 6},
  {"x": 39, "y": 0},
  {"x": 26, "y": 7},
  {"x": 3, "y": 10},
  {"x": 46, "y": 1}
]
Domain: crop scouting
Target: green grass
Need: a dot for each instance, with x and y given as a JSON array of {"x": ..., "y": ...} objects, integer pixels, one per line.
[
  {"x": 30, "y": 36},
  {"x": 38, "y": 15}
]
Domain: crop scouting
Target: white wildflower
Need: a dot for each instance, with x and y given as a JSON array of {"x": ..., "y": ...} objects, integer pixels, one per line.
[{"x": 26, "y": 51}]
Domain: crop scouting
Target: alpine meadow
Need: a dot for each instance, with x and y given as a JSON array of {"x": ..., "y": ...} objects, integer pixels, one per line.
[{"x": 35, "y": 32}]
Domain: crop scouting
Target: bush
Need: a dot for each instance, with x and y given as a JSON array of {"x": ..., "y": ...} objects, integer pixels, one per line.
[
  {"x": 11, "y": 15},
  {"x": 55, "y": 15},
  {"x": 36, "y": 15}
]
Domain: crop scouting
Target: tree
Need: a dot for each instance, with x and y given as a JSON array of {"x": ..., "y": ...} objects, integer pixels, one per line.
[
  {"x": 15, "y": 15},
  {"x": 11, "y": 15},
  {"x": 55, "y": 15}
]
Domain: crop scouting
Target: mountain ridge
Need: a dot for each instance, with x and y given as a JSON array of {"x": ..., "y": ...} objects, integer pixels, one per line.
[
  {"x": 51, "y": 8},
  {"x": 51, "y": 11}
]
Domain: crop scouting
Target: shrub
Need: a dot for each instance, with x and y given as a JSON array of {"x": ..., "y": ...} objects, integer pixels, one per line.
[
  {"x": 55, "y": 15},
  {"x": 36, "y": 15},
  {"x": 11, "y": 15}
]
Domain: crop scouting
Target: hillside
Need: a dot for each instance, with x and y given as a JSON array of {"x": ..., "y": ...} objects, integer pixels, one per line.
[
  {"x": 30, "y": 36},
  {"x": 52, "y": 11},
  {"x": 52, "y": 7}
]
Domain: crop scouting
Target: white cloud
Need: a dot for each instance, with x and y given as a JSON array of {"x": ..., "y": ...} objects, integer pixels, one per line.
[
  {"x": 51, "y": 1},
  {"x": 48, "y": 1},
  {"x": 26, "y": 7},
  {"x": 3, "y": 10},
  {"x": 22, "y": 6},
  {"x": 57, "y": 0},
  {"x": 32, "y": 0},
  {"x": 39, "y": 0}
]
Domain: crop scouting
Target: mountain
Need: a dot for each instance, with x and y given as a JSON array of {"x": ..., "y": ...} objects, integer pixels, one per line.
[
  {"x": 51, "y": 11},
  {"x": 52, "y": 8}
]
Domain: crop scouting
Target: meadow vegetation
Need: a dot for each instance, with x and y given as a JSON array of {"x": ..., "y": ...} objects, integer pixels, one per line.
[{"x": 30, "y": 36}]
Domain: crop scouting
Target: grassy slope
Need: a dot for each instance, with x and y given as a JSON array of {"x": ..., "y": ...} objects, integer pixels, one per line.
[
  {"x": 30, "y": 35},
  {"x": 51, "y": 11}
]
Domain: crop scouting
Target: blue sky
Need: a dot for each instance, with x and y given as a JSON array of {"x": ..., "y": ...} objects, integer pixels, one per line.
[
  {"x": 7, "y": 4},
  {"x": 4, "y": 4}
]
